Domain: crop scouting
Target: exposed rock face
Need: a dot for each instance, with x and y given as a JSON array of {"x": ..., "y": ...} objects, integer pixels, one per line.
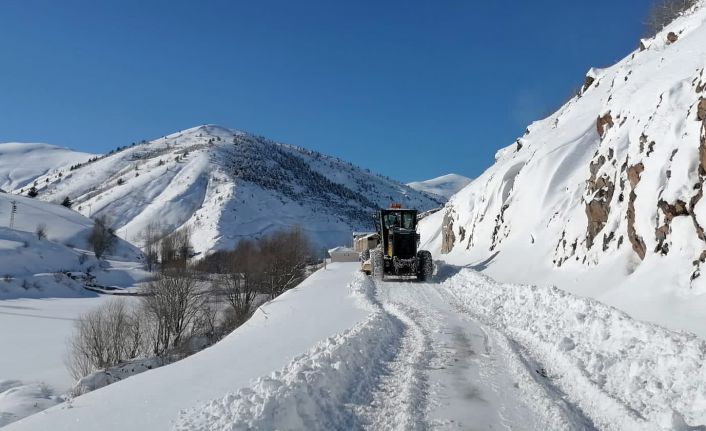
[
  {"x": 701, "y": 110},
  {"x": 670, "y": 211},
  {"x": 672, "y": 37},
  {"x": 448, "y": 237},
  {"x": 638, "y": 244},
  {"x": 499, "y": 220},
  {"x": 600, "y": 191},
  {"x": 634, "y": 172},
  {"x": 603, "y": 124},
  {"x": 587, "y": 83}
]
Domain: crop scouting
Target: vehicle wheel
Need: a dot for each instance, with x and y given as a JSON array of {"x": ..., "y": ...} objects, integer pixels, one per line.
[
  {"x": 425, "y": 265},
  {"x": 377, "y": 263}
]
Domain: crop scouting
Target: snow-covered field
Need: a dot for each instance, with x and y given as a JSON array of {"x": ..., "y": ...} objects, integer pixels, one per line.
[{"x": 343, "y": 352}]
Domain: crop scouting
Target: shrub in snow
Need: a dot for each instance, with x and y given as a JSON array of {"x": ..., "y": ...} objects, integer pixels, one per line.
[
  {"x": 41, "y": 231},
  {"x": 102, "y": 238},
  {"x": 105, "y": 337}
]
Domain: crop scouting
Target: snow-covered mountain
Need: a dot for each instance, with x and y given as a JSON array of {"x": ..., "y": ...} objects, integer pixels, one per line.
[
  {"x": 22, "y": 163},
  {"x": 444, "y": 186},
  {"x": 603, "y": 197},
  {"x": 224, "y": 185}
]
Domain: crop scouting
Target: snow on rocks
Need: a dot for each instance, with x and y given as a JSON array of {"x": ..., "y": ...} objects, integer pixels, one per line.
[{"x": 623, "y": 373}]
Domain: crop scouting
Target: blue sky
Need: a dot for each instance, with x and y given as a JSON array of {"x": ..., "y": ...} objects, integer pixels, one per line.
[{"x": 410, "y": 89}]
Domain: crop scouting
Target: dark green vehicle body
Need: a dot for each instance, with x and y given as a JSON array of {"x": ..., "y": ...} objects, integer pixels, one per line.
[{"x": 398, "y": 253}]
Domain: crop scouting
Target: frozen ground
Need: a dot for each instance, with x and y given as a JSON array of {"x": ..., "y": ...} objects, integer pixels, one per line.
[{"x": 463, "y": 352}]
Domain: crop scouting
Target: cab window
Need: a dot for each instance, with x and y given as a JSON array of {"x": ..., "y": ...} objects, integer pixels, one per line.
[{"x": 408, "y": 220}]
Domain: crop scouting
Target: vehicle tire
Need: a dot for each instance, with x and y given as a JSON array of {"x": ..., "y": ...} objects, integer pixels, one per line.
[
  {"x": 425, "y": 265},
  {"x": 377, "y": 263}
]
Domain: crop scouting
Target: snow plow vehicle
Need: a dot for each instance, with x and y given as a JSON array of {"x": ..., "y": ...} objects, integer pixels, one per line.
[{"x": 397, "y": 252}]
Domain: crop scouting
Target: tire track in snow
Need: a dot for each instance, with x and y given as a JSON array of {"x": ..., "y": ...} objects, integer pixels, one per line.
[{"x": 400, "y": 399}]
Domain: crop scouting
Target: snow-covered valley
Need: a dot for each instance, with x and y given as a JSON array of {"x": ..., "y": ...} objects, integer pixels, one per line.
[{"x": 567, "y": 294}]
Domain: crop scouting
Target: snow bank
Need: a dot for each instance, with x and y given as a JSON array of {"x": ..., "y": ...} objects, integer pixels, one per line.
[
  {"x": 308, "y": 393},
  {"x": 625, "y": 374}
]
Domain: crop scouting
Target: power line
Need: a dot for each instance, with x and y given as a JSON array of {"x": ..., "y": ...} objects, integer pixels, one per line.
[{"x": 13, "y": 210}]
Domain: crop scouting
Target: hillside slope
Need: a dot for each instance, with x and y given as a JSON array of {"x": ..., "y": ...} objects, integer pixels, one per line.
[
  {"x": 33, "y": 267},
  {"x": 444, "y": 186},
  {"x": 603, "y": 197},
  {"x": 22, "y": 163},
  {"x": 224, "y": 185}
]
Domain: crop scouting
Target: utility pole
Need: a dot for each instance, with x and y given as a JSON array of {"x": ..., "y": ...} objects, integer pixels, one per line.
[{"x": 13, "y": 210}]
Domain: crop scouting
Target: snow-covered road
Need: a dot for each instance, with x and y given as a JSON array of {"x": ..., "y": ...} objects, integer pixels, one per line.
[
  {"x": 450, "y": 371},
  {"x": 417, "y": 362}
]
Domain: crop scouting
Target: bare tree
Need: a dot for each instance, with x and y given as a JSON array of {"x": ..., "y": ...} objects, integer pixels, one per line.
[
  {"x": 150, "y": 236},
  {"x": 167, "y": 251},
  {"x": 173, "y": 302},
  {"x": 175, "y": 249},
  {"x": 182, "y": 240},
  {"x": 104, "y": 337},
  {"x": 285, "y": 254},
  {"x": 239, "y": 284},
  {"x": 41, "y": 231},
  {"x": 102, "y": 237}
]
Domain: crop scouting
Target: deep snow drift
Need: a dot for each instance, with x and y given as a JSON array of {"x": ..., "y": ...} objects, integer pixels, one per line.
[
  {"x": 225, "y": 185},
  {"x": 444, "y": 186},
  {"x": 22, "y": 163},
  {"x": 603, "y": 197}
]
